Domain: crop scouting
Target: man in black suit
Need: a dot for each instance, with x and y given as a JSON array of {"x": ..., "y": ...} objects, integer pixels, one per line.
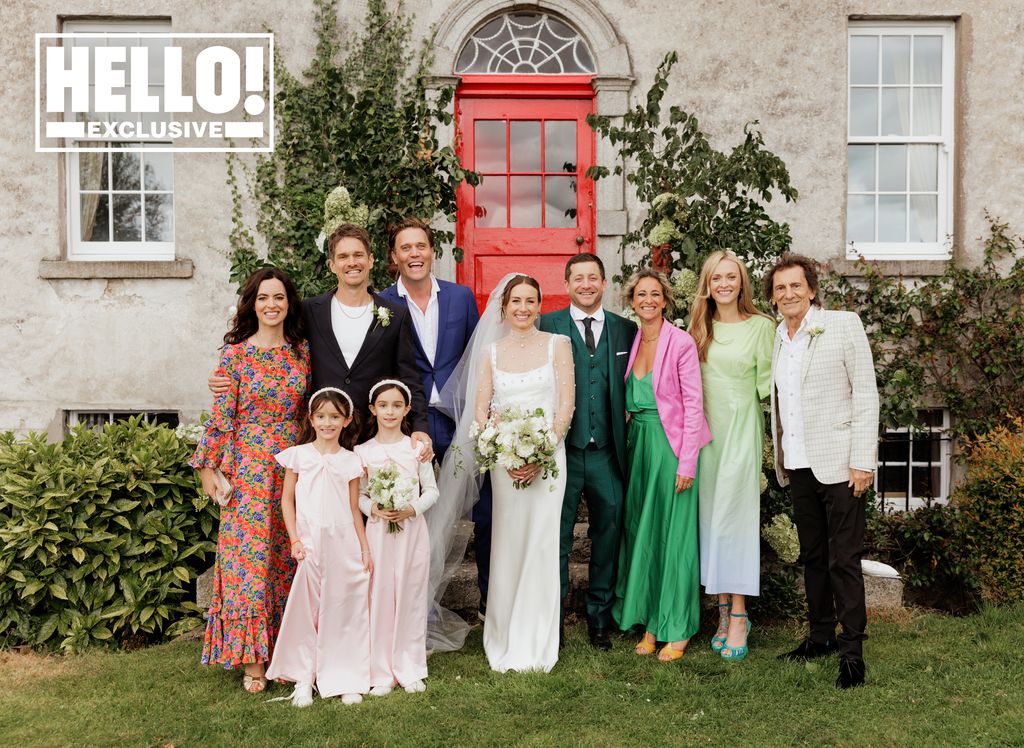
[{"x": 357, "y": 338}]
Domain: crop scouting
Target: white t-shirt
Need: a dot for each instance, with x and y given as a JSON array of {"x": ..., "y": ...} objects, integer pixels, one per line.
[{"x": 350, "y": 325}]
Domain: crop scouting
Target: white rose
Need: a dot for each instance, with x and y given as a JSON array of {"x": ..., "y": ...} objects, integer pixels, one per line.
[{"x": 525, "y": 450}]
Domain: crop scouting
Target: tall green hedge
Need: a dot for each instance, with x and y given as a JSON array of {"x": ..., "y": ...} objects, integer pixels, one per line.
[{"x": 101, "y": 537}]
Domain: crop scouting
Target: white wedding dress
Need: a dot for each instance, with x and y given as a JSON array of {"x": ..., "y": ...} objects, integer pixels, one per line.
[{"x": 523, "y": 607}]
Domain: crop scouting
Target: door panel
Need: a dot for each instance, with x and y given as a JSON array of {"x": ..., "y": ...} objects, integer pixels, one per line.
[{"x": 534, "y": 207}]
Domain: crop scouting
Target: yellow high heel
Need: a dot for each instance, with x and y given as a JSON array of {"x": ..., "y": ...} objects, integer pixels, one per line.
[
  {"x": 669, "y": 653},
  {"x": 646, "y": 645}
]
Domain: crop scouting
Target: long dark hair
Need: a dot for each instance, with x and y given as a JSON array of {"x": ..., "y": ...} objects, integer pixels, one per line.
[
  {"x": 376, "y": 390},
  {"x": 245, "y": 324},
  {"x": 347, "y": 436}
]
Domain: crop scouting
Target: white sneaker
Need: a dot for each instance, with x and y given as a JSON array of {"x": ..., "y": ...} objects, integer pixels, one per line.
[
  {"x": 380, "y": 690},
  {"x": 351, "y": 698},
  {"x": 417, "y": 686},
  {"x": 302, "y": 696}
]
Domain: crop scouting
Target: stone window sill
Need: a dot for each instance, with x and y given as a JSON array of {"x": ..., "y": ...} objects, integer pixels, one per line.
[
  {"x": 905, "y": 268},
  {"x": 70, "y": 269}
]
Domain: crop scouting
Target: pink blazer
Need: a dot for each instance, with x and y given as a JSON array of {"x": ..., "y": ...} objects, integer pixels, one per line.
[{"x": 678, "y": 393}]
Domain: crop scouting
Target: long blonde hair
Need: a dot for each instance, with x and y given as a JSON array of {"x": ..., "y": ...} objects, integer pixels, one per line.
[{"x": 703, "y": 312}]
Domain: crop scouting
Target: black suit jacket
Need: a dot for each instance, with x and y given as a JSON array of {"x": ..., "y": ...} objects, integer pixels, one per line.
[{"x": 388, "y": 352}]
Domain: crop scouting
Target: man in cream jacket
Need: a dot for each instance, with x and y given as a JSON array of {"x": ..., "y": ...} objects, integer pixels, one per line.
[{"x": 825, "y": 426}]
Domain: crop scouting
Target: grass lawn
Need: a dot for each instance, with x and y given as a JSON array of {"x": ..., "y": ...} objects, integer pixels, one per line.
[{"x": 932, "y": 680}]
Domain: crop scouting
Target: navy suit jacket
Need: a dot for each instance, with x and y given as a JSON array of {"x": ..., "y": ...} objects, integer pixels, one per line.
[
  {"x": 457, "y": 316},
  {"x": 388, "y": 352}
]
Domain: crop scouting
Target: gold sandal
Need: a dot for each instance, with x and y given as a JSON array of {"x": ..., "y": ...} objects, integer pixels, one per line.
[
  {"x": 254, "y": 683},
  {"x": 646, "y": 646},
  {"x": 669, "y": 653}
]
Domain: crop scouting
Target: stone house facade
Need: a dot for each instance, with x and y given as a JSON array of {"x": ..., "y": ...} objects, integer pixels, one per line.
[{"x": 896, "y": 119}]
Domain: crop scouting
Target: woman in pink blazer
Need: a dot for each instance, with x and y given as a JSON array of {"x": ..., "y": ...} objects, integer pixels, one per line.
[{"x": 658, "y": 583}]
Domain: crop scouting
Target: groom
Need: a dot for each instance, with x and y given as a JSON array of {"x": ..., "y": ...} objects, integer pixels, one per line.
[{"x": 595, "y": 447}]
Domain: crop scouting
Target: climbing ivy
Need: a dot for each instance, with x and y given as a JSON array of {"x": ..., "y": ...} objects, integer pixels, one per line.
[
  {"x": 955, "y": 340},
  {"x": 359, "y": 116}
]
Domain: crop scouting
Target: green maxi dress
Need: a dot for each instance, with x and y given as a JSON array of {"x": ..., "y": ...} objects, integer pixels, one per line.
[
  {"x": 736, "y": 377},
  {"x": 658, "y": 585}
]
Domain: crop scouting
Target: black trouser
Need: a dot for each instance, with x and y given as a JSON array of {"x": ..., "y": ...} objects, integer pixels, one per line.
[{"x": 830, "y": 523}]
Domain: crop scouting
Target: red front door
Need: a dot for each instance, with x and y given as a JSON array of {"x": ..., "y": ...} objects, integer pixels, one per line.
[{"x": 534, "y": 207}]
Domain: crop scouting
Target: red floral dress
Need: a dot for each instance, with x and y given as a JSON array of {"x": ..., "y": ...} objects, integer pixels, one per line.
[{"x": 257, "y": 418}]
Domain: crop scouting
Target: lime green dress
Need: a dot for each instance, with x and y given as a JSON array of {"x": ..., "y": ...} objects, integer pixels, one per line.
[{"x": 658, "y": 583}]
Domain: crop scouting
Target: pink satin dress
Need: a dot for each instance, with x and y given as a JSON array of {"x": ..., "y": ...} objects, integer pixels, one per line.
[
  {"x": 325, "y": 632},
  {"x": 401, "y": 569}
]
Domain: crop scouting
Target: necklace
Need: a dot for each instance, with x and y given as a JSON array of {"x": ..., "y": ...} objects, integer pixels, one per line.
[
  {"x": 361, "y": 313},
  {"x": 524, "y": 337},
  {"x": 649, "y": 340}
]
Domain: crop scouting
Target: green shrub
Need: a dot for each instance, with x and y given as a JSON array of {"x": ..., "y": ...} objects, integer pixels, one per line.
[
  {"x": 101, "y": 537},
  {"x": 991, "y": 506},
  {"x": 927, "y": 546},
  {"x": 781, "y": 596}
]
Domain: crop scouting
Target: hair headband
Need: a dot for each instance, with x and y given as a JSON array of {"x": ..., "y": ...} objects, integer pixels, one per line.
[
  {"x": 351, "y": 407},
  {"x": 392, "y": 383}
]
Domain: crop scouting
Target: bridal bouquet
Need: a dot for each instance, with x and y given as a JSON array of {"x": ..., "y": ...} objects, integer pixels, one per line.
[
  {"x": 513, "y": 438},
  {"x": 390, "y": 491}
]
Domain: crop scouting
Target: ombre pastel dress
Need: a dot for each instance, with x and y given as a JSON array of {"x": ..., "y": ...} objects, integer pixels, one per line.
[
  {"x": 736, "y": 376},
  {"x": 658, "y": 585},
  {"x": 254, "y": 420},
  {"x": 325, "y": 634}
]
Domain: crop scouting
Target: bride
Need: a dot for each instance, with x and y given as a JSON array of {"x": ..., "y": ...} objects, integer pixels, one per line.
[{"x": 509, "y": 363}]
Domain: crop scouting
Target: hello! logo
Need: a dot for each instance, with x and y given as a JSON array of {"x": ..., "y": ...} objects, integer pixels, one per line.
[{"x": 155, "y": 91}]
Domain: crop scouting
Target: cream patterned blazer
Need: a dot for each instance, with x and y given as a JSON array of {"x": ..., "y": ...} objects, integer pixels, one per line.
[{"x": 839, "y": 398}]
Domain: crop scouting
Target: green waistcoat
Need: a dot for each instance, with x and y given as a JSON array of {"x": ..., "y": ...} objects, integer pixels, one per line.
[{"x": 590, "y": 421}]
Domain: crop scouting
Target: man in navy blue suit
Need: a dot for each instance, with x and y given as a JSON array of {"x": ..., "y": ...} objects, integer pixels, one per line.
[{"x": 444, "y": 316}]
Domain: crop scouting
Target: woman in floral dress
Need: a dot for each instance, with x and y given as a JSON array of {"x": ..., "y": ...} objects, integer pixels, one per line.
[{"x": 266, "y": 358}]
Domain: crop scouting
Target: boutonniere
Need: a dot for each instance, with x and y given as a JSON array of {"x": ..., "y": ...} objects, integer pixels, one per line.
[
  {"x": 383, "y": 315},
  {"x": 815, "y": 331}
]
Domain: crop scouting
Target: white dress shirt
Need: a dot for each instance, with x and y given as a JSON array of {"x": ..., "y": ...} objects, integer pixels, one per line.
[
  {"x": 597, "y": 326},
  {"x": 426, "y": 324},
  {"x": 350, "y": 325},
  {"x": 788, "y": 374}
]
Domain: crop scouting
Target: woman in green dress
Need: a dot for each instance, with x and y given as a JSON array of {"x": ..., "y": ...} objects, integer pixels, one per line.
[
  {"x": 658, "y": 584},
  {"x": 734, "y": 344}
]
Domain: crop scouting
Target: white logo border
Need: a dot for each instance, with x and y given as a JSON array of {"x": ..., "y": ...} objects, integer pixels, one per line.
[{"x": 156, "y": 35}]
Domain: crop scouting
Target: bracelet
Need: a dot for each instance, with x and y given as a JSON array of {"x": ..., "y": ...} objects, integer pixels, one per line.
[
  {"x": 365, "y": 553},
  {"x": 296, "y": 541}
]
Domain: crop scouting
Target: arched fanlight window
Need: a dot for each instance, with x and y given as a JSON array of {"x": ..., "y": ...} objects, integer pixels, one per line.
[{"x": 525, "y": 43}]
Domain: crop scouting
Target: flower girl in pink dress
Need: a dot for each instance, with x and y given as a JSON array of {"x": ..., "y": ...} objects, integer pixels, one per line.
[
  {"x": 397, "y": 534},
  {"x": 325, "y": 631}
]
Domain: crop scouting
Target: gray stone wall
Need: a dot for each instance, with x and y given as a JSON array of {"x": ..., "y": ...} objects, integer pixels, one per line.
[{"x": 148, "y": 342}]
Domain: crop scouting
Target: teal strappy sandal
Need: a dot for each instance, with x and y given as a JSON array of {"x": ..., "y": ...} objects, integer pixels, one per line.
[{"x": 735, "y": 654}]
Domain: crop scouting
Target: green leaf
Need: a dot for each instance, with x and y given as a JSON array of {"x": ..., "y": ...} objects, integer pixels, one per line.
[{"x": 78, "y": 554}]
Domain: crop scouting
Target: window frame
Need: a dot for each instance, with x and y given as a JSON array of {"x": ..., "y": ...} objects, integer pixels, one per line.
[
  {"x": 941, "y": 249},
  {"x": 90, "y": 418},
  {"x": 910, "y": 502},
  {"x": 77, "y": 250}
]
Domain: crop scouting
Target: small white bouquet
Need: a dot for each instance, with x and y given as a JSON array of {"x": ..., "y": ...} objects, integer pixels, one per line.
[
  {"x": 513, "y": 438},
  {"x": 390, "y": 491}
]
